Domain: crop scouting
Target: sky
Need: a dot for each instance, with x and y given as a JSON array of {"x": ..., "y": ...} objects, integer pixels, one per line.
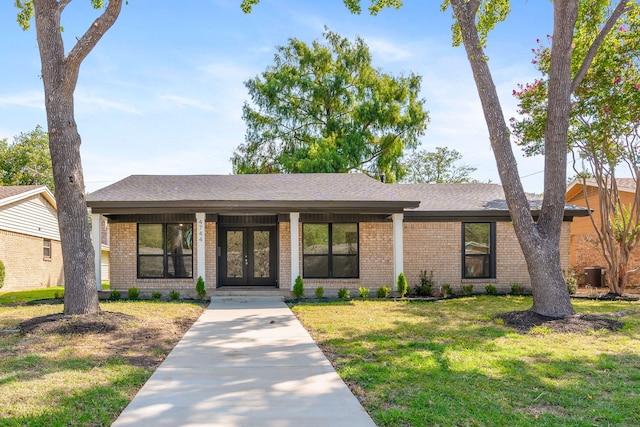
[{"x": 162, "y": 92}]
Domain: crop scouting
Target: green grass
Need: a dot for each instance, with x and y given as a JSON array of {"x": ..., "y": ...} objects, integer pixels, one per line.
[
  {"x": 80, "y": 379},
  {"x": 450, "y": 364},
  {"x": 31, "y": 295}
]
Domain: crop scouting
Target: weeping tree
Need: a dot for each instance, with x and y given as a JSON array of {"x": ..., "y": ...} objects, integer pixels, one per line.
[
  {"x": 604, "y": 130},
  {"x": 539, "y": 237},
  {"x": 60, "y": 70},
  {"x": 324, "y": 108}
]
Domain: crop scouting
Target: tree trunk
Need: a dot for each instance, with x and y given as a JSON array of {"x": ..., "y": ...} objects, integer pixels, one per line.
[
  {"x": 540, "y": 241},
  {"x": 59, "y": 77}
]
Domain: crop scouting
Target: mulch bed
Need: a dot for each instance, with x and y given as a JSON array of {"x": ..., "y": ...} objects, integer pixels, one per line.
[
  {"x": 523, "y": 321},
  {"x": 101, "y": 323}
]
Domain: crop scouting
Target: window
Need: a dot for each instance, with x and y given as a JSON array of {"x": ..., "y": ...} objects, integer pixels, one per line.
[
  {"x": 330, "y": 251},
  {"x": 165, "y": 251},
  {"x": 479, "y": 260},
  {"x": 46, "y": 248}
]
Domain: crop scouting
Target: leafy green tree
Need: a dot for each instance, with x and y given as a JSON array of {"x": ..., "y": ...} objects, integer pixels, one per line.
[
  {"x": 27, "y": 161},
  {"x": 324, "y": 108},
  {"x": 604, "y": 130},
  {"x": 439, "y": 166},
  {"x": 539, "y": 238},
  {"x": 60, "y": 70}
]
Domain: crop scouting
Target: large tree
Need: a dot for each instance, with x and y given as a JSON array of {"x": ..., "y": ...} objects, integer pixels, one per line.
[
  {"x": 27, "y": 161},
  {"x": 604, "y": 131},
  {"x": 539, "y": 237},
  {"x": 325, "y": 108},
  {"x": 60, "y": 70},
  {"x": 439, "y": 166}
]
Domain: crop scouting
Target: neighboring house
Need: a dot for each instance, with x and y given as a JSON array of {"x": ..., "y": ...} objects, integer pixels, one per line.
[
  {"x": 334, "y": 230},
  {"x": 29, "y": 238},
  {"x": 585, "y": 247}
]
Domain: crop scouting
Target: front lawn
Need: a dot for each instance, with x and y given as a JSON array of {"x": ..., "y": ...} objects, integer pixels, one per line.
[
  {"x": 83, "y": 371},
  {"x": 35, "y": 294},
  {"x": 451, "y": 364}
]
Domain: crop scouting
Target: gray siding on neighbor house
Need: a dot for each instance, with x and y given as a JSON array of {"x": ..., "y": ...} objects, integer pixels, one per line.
[{"x": 33, "y": 216}]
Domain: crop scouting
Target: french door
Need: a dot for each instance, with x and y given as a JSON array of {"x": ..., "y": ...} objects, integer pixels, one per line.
[{"x": 248, "y": 256}]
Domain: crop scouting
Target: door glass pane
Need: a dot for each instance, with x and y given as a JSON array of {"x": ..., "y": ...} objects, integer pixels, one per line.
[
  {"x": 316, "y": 239},
  {"x": 235, "y": 255},
  {"x": 344, "y": 239},
  {"x": 261, "y": 254}
]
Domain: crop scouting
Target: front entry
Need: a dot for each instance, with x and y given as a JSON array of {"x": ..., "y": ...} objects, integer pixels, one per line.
[{"x": 247, "y": 256}]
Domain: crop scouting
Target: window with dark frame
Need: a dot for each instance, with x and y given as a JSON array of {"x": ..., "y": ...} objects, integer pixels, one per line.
[
  {"x": 478, "y": 254},
  {"x": 46, "y": 248},
  {"x": 330, "y": 251},
  {"x": 165, "y": 251}
]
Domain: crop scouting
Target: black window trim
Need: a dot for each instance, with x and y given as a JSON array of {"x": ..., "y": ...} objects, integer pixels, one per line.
[
  {"x": 491, "y": 255},
  {"x": 164, "y": 255},
  {"x": 330, "y": 255}
]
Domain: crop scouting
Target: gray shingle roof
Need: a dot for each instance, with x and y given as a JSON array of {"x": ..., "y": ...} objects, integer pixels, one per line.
[
  {"x": 249, "y": 193},
  {"x": 14, "y": 190},
  {"x": 318, "y": 191}
]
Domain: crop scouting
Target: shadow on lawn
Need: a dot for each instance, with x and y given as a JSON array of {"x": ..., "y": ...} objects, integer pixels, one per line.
[{"x": 459, "y": 368}]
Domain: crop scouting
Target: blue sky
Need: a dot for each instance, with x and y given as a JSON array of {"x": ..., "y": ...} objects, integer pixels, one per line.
[{"x": 162, "y": 93}]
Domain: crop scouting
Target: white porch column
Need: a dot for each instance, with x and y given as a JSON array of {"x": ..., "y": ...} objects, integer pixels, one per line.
[
  {"x": 294, "y": 220},
  {"x": 200, "y": 247},
  {"x": 96, "y": 239},
  {"x": 398, "y": 247}
]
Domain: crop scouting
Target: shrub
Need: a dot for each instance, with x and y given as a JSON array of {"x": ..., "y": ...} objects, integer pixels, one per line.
[
  {"x": 446, "y": 290},
  {"x": 133, "y": 293},
  {"x": 517, "y": 289},
  {"x": 491, "y": 290},
  {"x": 363, "y": 292},
  {"x": 425, "y": 287},
  {"x": 174, "y": 295},
  {"x": 2, "y": 274},
  {"x": 200, "y": 288},
  {"x": 467, "y": 289},
  {"x": 384, "y": 291},
  {"x": 571, "y": 280},
  {"x": 298, "y": 288},
  {"x": 344, "y": 293},
  {"x": 114, "y": 295},
  {"x": 58, "y": 295},
  {"x": 156, "y": 295},
  {"x": 402, "y": 285},
  {"x": 319, "y": 292}
]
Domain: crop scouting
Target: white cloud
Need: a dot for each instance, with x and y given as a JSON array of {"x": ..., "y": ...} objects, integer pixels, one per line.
[
  {"x": 388, "y": 51},
  {"x": 28, "y": 100},
  {"x": 178, "y": 101},
  {"x": 92, "y": 103}
]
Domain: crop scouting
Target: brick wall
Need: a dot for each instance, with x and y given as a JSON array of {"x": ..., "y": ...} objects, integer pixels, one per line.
[
  {"x": 25, "y": 266},
  {"x": 124, "y": 264},
  {"x": 436, "y": 247},
  {"x": 376, "y": 260},
  {"x": 211, "y": 256}
]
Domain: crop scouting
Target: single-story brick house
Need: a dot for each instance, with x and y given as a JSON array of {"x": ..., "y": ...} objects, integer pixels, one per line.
[
  {"x": 334, "y": 230},
  {"x": 29, "y": 238},
  {"x": 585, "y": 247}
]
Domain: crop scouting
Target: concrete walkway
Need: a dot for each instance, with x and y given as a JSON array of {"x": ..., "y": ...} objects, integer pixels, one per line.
[{"x": 247, "y": 361}]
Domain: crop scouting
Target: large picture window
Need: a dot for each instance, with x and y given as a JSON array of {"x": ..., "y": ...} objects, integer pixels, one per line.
[
  {"x": 479, "y": 260},
  {"x": 330, "y": 251},
  {"x": 165, "y": 251}
]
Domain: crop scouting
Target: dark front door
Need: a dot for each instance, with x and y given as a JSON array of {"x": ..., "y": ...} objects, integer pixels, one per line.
[{"x": 248, "y": 256}]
